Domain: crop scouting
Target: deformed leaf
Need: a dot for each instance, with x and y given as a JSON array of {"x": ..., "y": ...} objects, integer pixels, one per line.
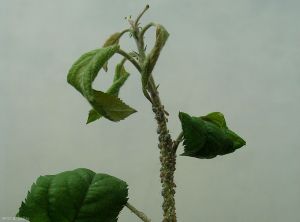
[
  {"x": 121, "y": 75},
  {"x": 208, "y": 136},
  {"x": 83, "y": 73},
  {"x": 112, "y": 40},
  {"x": 216, "y": 118},
  {"x": 161, "y": 38},
  {"x": 194, "y": 133},
  {"x": 75, "y": 196},
  {"x": 237, "y": 140}
]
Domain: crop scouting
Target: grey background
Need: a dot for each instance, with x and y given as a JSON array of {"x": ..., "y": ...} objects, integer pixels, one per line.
[{"x": 238, "y": 57}]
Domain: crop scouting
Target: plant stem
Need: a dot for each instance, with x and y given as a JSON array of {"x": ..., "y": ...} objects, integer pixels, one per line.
[
  {"x": 132, "y": 60},
  {"x": 140, "y": 15},
  {"x": 167, "y": 156},
  {"x": 167, "y": 151},
  {"x": 138, "y": 213}
]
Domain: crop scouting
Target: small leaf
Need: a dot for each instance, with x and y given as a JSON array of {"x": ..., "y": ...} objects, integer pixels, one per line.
[
  {"x": 82, "y": 75},
  {"x": 121, "y": 75},
  {"x": 208, "y": 136},
  {"x": 75, "y": 196},
  {"x": 161, "y": 38},
  {"x": 112, "y": 40}
]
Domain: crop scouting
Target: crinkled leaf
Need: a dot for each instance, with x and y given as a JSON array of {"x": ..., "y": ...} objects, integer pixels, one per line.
[
  {"x": 75, "y": 196},
  {"x": 121, "y": 75},
  {"x": 208, "y": 136},
  {"x": 112, "y": 40},
  {"x": 216, "y": 118},
  {"x": 84, "y": 71},
  {"x": 81, "y": 76},
  {"x": 161, "y": 38}
]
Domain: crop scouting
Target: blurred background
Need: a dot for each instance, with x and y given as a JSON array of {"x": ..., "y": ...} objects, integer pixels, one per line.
[{"x": 237, "y": 57}]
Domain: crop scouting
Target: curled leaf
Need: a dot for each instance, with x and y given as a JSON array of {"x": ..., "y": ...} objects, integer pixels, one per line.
[
  {"x": 161, "y": 38},
  {"x": 112, "y": 40},
  {"x": 83, "y": 73},
  {"x": 208, "y": 136},
  {"x": 121, "y": 75},
  {"x": 216, "y": 118}
]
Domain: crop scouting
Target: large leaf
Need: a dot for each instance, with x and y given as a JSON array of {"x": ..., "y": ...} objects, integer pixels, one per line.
[
  {"x": 121, "y": 75},
  {"x": 83, "y": 73},
  {"x": 208, "y": 136},
  {"x": 75, "y": 196}
]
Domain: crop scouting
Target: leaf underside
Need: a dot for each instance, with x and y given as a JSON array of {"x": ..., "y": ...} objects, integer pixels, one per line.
[
  {"x": 75, "y": 196},
  {"x": 208, "y": 136}
]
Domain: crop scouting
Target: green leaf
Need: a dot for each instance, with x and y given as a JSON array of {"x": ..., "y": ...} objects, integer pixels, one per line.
[
  {"x": 121, "y": 75},
  {"x": 161, "y": 38},
  {"x": 93, "y": 116},
  {"x": 83, "y": 73},
  {"x": 216, "y": 118},
  {"x": 75, "y": 196},
  {"x": 112, "y": 40},
  {"x": 194, "y": 132},
  {"x": 111, "y": 107},
  {"x": 85, "y": 69},
  {"x": 208, "y": 136}
]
